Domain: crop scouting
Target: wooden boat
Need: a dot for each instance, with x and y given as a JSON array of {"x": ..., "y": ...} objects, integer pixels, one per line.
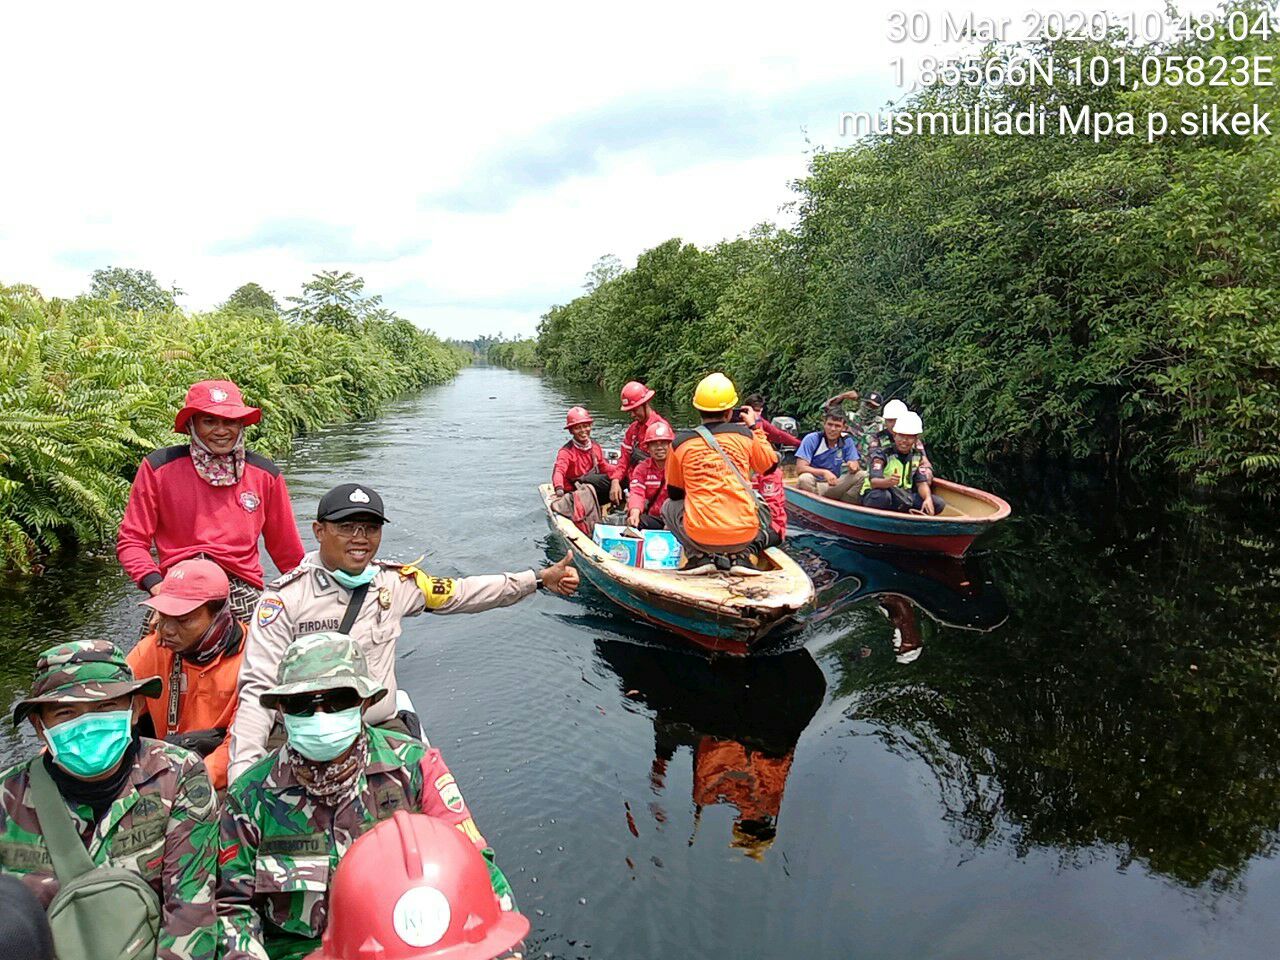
[
  {"x": 724, "y": 612},
  {"x": 969, "y": 513}
]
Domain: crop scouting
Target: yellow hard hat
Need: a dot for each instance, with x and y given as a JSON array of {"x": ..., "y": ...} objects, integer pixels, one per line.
[{"x": 715, "y": 394}]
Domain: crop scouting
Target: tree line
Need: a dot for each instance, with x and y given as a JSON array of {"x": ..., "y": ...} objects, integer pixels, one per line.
[
  {"x": 1111, "y": 301},
  {"x": 89, "y": 385}
]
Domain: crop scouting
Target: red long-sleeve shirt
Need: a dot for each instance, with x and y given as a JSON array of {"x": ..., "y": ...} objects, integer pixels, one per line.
[
  {"x": 631, "y": 442},
  {"x": 777, "y": 436},
  {"x": 648, "y": 490},
  {"x": 183, "y": 516},
  {"x": 573, "y": 464}
]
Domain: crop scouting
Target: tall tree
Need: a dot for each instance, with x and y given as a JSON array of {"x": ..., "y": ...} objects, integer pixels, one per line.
[
  {"x": 334, "y": 299},
  {"x": 136, "y": 289},
  {"x": 251, "y": 298}
]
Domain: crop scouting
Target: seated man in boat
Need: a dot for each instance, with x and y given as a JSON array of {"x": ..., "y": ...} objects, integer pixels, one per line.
[
  {"x": 884, "y": 437},
  {"x": 713, "y": 510},
  {"x": 896, "y": 479},
  {"x": 648, "y": 489},
  {"x": 636, "y": 399},
  {"x": 774, "y": 434},
  {"x": 195, "y": 650},
  {"x": 581, "y": 460},
  {"x": 828, "y": 462},
  {"x": 140, "y": 805},
  {"x": 342, "y": 587},
  {"x": 295, "y": 812}
]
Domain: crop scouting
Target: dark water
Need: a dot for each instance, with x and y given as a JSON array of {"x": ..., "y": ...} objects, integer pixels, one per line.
[{"x": 1080, "y": 761}]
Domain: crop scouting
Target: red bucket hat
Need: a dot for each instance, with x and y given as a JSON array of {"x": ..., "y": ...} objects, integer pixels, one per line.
[
  {"x": 187, "y": 585},
  {"x": 221, "y": 398}
]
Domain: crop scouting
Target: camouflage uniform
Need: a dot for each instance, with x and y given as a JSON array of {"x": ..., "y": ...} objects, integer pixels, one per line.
[
  {"x": 280, "y": 845},
  {"x": 162, "y": 826},
  {"x": 309, "y": 600}
]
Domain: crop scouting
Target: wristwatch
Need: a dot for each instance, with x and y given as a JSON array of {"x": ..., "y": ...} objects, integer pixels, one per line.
[{"x": 537, "y": 581}]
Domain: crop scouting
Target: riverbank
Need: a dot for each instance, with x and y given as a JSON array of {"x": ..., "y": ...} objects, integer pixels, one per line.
[
  {"x": 87, "y": 388},
  {"x": 1110, "y": 302}
]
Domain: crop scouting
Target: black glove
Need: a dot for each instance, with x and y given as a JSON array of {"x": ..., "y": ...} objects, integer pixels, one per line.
[{"x": 203, "y": 742}]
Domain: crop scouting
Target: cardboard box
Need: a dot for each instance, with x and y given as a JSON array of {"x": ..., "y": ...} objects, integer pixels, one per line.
[
  {"x": 661, "y": 550},
  {"x": 619, "y": 546}
]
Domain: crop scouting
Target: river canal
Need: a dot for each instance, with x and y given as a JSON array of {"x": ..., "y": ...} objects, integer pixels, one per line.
[{"x": 1072, "y": 750}]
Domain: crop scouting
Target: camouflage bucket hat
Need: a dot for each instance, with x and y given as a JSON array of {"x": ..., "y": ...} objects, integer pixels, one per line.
[
  {"x": 323, "y": 661},
  {"x": 81, "y": 672}
]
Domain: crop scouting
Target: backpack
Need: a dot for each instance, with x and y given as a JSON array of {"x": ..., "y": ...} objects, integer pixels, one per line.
[
  {"x": 579, "y": 505},
  {"x": 99, "y": 913}
]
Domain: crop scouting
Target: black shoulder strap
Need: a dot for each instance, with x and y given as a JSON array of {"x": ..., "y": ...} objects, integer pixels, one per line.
[
  {"x": 66, "y": 849},
  {"x": 353, "y": 607}
]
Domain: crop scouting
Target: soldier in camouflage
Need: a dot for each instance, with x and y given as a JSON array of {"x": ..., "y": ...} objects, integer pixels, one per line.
[
  {"x": 141, "y": 804},
  {"x": 292, "y": 815}
]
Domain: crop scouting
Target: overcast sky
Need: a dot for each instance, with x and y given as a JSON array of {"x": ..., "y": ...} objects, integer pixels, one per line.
[{"x": 470, "y": 163}]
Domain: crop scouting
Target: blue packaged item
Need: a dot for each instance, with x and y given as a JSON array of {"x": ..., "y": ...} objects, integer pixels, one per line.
[
  {"x": 614, "y": 541},
  {"x": 661, "y": 550}
]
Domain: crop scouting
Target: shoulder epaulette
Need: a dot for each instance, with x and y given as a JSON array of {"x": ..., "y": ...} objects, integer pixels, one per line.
[
  {"x": 261, "y": 462},
  {"x": 287, "y": 578},
  {"x": 158, "y": 458}
]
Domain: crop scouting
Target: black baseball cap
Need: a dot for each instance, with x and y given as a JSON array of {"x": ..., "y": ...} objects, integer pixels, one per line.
[
  {"x": 351, "y": 500},
  {"x": 873, "y": 398}
]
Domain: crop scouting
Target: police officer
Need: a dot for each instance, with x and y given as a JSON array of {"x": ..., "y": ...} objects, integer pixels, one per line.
[
  {"x": 341, "y": 587},
  {"x": 294, "y": 814}
]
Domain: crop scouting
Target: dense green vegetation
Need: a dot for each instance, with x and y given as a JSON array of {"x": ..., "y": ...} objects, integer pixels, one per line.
[
  {"x": 1113, "y": 300},
  {"x": 515, "y": 353},
  {"x": 89, "y": 386}
]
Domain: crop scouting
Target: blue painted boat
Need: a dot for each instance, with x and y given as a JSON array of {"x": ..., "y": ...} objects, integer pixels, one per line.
[
  {"x": 724, "y": 612},
  {"x": 969, "y": 513}
]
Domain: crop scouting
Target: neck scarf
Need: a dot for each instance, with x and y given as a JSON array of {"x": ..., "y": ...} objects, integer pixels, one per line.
[
  {"x": 585, "y": 445},
  {"x": 333, "y": 783},
  {"x": 223, "y": 635},
  {"x": 217, "y": 469},
  {"x": 97, "y": 795}
]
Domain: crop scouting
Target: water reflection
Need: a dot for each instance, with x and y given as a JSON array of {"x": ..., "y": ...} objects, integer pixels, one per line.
[{"x": 740, "y": 718}]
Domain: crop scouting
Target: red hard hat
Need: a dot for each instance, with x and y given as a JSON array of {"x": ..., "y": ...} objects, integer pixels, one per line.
[
  {"x": 218, "y": 397},
  {"x": 658, "y": 430},
  {"x": 634, "y": 394},
  {"x": 575, "y": 416},
  {"x": 415, "y": 888}
]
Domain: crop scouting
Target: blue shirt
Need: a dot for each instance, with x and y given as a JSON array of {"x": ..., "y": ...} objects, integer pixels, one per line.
[{"x": 814, "y": 449}]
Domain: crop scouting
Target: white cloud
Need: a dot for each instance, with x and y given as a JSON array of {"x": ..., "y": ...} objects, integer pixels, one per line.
[{"x": 172, "y": 138}]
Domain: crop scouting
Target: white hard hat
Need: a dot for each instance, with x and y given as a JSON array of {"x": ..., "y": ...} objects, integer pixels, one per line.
[
  {"x": 909, "y": 424},
  {"x": 894, "y": 409}
]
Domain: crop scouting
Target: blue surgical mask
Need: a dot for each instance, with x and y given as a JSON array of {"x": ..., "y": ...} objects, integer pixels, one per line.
[
  {"x": 91, "y": 744},
  {"x": 322, "y": 736},
  {"x": 353, "y": 580}
]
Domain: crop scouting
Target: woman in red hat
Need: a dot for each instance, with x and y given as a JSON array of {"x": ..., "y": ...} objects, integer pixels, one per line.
[{"x": 209, "y": 498}]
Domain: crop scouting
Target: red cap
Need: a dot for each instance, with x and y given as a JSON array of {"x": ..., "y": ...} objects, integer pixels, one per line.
[
  {"x": 658, "y": 430},
  {"x": 187, "y": 585},
  {"x": 575, "y": 416},
  {"x": 415, "y": 888},
  {"x": 634, "y": 394},
  {"x": 221, "y": 398}
]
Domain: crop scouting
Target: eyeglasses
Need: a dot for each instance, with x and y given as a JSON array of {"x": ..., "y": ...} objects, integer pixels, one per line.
[
  {"x": 348, "y": 530},
  {"x": 327, "y": 701}
]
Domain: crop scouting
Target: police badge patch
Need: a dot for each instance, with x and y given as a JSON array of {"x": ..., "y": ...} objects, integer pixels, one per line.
[
  {"x": 249, "y": 500},
  {"x": 268, "y": 609},
  {"x": 450, "y": 795}
]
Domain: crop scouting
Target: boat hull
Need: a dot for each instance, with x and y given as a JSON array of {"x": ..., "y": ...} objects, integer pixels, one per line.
[
  {"x": 950, "y": 535},
  {"x": 716, "y": 612}
]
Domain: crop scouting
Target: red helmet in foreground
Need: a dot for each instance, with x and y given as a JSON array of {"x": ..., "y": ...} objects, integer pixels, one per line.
[
  {"x": 415, "y": 888},
  {"x": 634, "y": 394},
  {"x": 575, "y": 416}
]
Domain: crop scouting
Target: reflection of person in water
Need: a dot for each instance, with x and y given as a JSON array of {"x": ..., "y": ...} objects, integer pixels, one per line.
[
  {"x": 908, "y": 640},
  {"x": 741, "y": 719}
]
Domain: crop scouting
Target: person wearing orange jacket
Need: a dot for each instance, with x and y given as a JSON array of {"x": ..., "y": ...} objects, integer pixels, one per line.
[
  {"x": 635, "y": 400},
  {"x": 195, "y": 649},
  {"x": 581, "y": 459}
]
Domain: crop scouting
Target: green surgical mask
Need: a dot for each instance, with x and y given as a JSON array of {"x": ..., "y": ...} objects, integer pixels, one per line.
[
  {"x": 353, "y": 580},
  {"x": 91, "y": 744},
  {"x": 322, "y": 736}
]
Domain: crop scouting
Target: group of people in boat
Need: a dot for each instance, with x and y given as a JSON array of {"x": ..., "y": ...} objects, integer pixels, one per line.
[
  {"x": 718, "y": 487},
  {"x": 192, "y": 798}
]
